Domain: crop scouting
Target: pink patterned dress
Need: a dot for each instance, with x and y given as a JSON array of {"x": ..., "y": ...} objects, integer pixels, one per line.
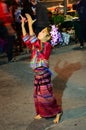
[{"x": 45, "y": 102}]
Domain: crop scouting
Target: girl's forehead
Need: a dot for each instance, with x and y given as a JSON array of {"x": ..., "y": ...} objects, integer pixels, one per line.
[{"x": 45, "y": 30}]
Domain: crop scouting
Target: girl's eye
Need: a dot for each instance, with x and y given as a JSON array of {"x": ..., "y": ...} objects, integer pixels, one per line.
[{"x": 47, "y": 35}]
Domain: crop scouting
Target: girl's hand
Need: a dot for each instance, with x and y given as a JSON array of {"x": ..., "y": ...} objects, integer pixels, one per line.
[
  {"x": 22, "y": 25},
  {"x": 29, "y": 19},
  {"x": 22, "y": 20}
]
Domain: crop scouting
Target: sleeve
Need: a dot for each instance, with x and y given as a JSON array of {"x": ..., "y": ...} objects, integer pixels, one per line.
[{"x": 29, "y": 40}]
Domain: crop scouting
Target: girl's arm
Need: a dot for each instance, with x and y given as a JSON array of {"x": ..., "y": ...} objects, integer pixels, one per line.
[
  {"x": 30, "y": 23},
  {"x": 30, "y": 38},
  {"x": 23, "y": 27}
]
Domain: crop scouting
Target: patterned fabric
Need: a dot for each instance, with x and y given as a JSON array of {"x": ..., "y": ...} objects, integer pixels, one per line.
[
  {"x": 38, "y": 62},
  {"x": 25, "y": 38},
  {"x": 31, "y": 38},
  {"x": 45, "y": 102},
  {"x": 40, "y": 51}
]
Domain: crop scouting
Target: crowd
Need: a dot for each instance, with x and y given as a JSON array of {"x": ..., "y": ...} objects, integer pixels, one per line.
[{"x": 10, "y": 23}]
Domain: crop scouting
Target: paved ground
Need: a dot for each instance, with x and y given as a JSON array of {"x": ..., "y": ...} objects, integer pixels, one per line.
[{"x": 68, "y": 65}]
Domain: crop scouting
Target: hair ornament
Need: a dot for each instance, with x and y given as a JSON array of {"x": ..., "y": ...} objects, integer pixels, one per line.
[{"x": 55, "y": 35}]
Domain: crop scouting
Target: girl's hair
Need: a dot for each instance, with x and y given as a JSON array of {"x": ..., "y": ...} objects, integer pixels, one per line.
[{"x": 49, "y": 29}]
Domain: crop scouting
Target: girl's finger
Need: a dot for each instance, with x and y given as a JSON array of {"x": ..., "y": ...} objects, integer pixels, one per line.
[{"x": 33, "y": 21}]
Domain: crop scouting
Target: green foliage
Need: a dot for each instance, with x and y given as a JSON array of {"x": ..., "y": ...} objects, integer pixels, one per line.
[{"x": 57, "y": 19}]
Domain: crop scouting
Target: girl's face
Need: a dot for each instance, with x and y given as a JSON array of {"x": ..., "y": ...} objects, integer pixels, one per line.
[{"x": 44, "y": 35}]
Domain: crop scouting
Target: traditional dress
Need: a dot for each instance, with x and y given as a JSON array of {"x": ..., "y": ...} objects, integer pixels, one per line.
[{"x": 45, "y": 102}]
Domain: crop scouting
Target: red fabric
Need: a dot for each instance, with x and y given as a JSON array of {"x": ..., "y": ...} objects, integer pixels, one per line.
[
  {"x": 4, "y": 13},
  {"x": 47, "y": 50},
  {"x": 45, "y": 102},
  {"x": 44, "y": 53}
]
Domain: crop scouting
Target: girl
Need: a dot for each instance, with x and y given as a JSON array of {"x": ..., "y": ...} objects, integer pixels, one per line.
[{"x": 45, "y": 102}]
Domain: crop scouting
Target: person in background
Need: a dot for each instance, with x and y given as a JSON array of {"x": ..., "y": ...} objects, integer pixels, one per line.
[
  {"x": 16, "y": 9},
  {"x": 3, "y": 38},
  {"x": 50, "y": 17},
  {"x": 40, "y": 13},
  {"x": 40, "y": 46},
  {"x": 9, "y": 32},
  {"x": 26, "y": 9},
  {"x": 81, "y": 10}
]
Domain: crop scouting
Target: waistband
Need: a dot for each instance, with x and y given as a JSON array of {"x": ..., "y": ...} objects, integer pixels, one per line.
[{"x": 42, "y": 70}]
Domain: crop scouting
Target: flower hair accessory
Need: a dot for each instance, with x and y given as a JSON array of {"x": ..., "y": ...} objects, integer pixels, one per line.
[{"x": 55, "y": 35}]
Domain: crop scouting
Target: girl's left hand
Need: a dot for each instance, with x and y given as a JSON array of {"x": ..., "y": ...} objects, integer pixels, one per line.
[{"x": 22, "y": 20}]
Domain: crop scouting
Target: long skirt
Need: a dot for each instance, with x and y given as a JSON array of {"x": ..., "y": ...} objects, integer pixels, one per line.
[{"x": 45, "y": 102}]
